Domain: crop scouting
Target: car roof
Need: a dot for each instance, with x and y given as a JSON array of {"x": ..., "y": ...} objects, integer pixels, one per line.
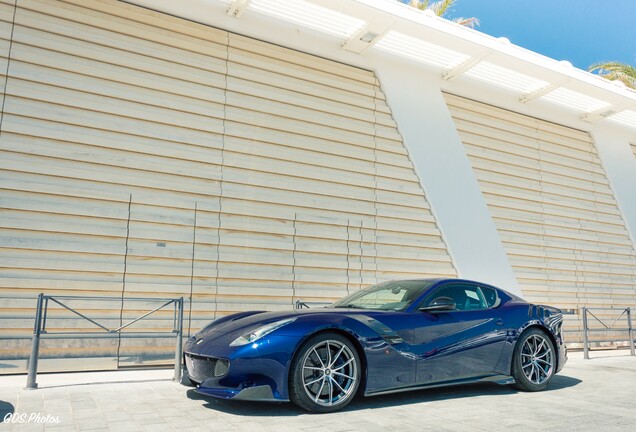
[
  {"x": 445, "y": 279},
  {"x": 438, "y": 280}
]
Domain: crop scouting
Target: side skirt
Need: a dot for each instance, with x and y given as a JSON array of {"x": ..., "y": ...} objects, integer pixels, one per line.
[{"x": 497, "y": 379}]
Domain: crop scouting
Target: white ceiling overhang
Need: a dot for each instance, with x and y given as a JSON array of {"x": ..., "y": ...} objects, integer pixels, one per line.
[{"x": 458, "y": 53}]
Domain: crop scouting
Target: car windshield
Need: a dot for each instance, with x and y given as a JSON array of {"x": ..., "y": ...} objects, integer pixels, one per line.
[{"x": 392, "y": 295}]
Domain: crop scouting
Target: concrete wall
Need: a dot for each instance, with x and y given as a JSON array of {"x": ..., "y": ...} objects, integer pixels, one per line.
[{"x": 440, "y": 159}]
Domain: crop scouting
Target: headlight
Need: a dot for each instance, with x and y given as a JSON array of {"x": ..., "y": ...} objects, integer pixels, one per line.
[{"x": 255, "y": 335}]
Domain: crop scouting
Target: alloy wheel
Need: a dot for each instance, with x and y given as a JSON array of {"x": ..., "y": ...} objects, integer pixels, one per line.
[
  {"x": 537, "y": 359},
  {"x": 329, "y": 372}
]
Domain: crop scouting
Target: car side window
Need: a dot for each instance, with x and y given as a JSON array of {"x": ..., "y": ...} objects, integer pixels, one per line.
[
  {"x": 490, "y": 294},
  {"x": 466, "y": 297}
]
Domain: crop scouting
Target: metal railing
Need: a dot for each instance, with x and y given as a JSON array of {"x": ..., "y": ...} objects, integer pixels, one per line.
[
  {"x": 299, "y": 304},
  {"x": 40, "y": 331},
  {"x": 607, "y": 326}
]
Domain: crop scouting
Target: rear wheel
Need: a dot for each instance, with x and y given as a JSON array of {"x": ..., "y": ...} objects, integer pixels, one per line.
[
  {"x": 534, "y": 361},
  {"x": 325, "y": 373}
]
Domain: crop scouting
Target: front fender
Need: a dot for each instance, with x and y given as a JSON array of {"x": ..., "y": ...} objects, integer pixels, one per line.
[{"x": 378, "y": 346}]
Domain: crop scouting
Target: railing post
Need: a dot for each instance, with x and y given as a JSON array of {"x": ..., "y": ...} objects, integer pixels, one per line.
[
  {"x": 35, "y": 346},
  {"x": 178, "y": 355},
  {"x": 586, "y": 354},
  {"x": 631, "y": 332}
]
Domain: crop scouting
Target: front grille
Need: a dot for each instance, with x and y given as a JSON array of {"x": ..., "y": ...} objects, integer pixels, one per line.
[{"x": 201, "y": 368}]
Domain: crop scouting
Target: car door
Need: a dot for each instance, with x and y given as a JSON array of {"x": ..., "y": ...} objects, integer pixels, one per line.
[{"x": 462, "y": 343}]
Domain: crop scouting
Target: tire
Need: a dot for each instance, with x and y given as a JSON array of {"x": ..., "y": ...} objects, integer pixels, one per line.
[
  {"x": 533, "y": 361},
  {"x": 324, "y": 375}
]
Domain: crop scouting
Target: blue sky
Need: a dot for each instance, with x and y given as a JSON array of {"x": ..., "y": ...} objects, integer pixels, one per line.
[{"x": 580, "y": 31}]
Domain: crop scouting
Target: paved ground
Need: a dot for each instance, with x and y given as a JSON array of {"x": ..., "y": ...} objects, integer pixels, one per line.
[{"x": 597, "y": 394}]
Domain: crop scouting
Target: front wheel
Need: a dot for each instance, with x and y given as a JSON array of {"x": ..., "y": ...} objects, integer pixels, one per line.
[
  {"x": 534, "y": 361},
  {"x": 325, "y": 373}
]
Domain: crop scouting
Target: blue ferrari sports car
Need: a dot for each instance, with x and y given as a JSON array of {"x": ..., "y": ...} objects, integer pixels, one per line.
[{"x": 394, "y": 336}]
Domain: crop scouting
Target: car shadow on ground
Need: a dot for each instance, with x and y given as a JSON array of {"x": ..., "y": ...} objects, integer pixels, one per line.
[
  {"x": 5, "y": 408},
  {"x": 361, "y": 403}
]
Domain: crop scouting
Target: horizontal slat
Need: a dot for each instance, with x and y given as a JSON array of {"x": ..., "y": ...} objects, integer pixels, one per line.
[
  {"x": 552, "y": 204},
  {"x": 106, "y": 29},
  {"x": 118, "y": 90},
  {"x": 132, "y": 109},
  {"x": 6, "y": 28},
  {"x": 27, "y": 40},
  {"x": 143, "y": 156},
  {"x": 166, "y": 24},
  {"x": 284, "y": 95},
  {"x": 18, "y": 107},
  {"x": 286, "y": 62}
]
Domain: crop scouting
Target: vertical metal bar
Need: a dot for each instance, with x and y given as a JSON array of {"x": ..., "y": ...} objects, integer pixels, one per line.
[
  {"x": 631, "y": 332},
  {"x": 46, "y": 310},
  {"x": 586, "y": 354},
  {"x": 35, "y": 346},
  {"x": 178, "y": 355},
  {"x": 348, "y": 254},
  {"x": 293, "y": 267}
]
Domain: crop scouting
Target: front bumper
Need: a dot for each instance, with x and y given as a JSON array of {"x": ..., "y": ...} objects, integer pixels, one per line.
[
  {"x": 260, "y": 393},
  {"x": 255, "y": 372},
  {"x": 201, "y": 368}
]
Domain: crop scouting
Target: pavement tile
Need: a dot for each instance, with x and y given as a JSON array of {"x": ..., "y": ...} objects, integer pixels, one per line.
[
  {"x": 117, "y": 416},
  {"x": 202, "y": 415},
  {"x": 83, "y": 404},
  {"x": 124, "y": 426},
  {"x": 60, "y": 428},
  {"x": 27, "y": 427},
  {"x": 218, "y": 426},
  {"x": 90, "y": 423},
  {"x": 57, "y": 405},
  {"x": 181, "y": 421},
  {"x": 140, "y": 408},
  {"x": 78, "y": 395},
  {"x": 163, "y": 427},
  {"x": 85, "y": 413},
  {"x": 572, "y": 402},
  {"x": 147, "y": 418}
]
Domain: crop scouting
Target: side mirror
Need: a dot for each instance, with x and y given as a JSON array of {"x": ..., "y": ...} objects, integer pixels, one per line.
[{"x": 440, "y": 304}]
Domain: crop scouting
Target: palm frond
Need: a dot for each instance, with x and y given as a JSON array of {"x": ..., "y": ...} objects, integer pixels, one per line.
[
  {"x": 419, "y": 4},
  {"x": 615, "y": 71},
  {"x": 467, "y": 22},
  {"x": 441, "y": 7}
]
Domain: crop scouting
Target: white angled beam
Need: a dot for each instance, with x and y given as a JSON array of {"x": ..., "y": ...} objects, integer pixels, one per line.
[
  {"x": 463, "y": 67},
  {"x": 542, "y": 91},
  {"x": 371, "y": 33},
  {"x": 237, "y": 7},
  {"x": 602, "y": 113}
]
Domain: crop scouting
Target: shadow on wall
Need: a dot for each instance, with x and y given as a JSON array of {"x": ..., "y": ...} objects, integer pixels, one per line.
[{"x": 361, "y": 403}]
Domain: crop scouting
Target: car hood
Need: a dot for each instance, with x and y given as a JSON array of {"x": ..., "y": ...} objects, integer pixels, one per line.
[{"x": 246, "y": 321}]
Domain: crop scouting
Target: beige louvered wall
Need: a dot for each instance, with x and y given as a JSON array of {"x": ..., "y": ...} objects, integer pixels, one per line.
[
  {"x": 553, "y": 207},
  {"x": 633, "y": 146},
  {"x": 148, "y": 156},
  {"x": 6, "y": 27}
]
